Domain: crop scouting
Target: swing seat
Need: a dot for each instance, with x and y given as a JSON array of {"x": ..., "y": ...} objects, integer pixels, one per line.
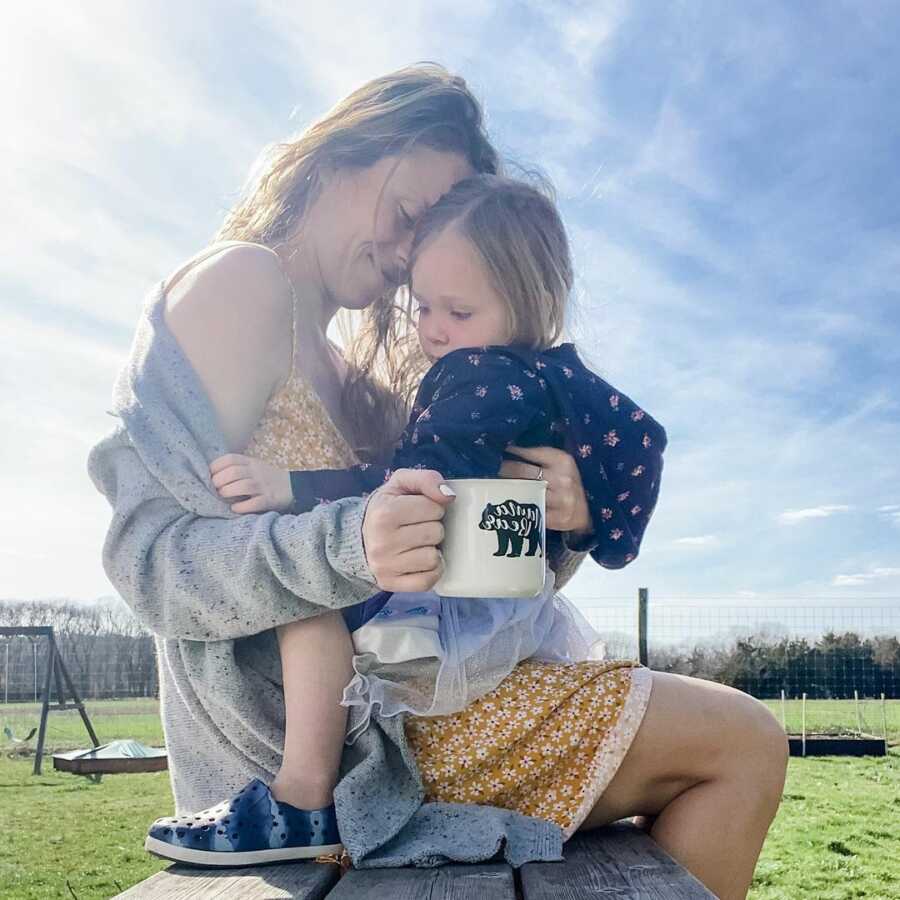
[{"x": 8, "y": 732}]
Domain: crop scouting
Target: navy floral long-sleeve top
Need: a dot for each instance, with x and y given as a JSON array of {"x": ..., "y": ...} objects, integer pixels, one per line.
[{"x": 473, "y": 403}]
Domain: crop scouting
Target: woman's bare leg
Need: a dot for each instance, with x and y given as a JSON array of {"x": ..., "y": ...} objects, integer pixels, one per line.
[
  {"x": 316, "y": 665},
  {"x": 706, "y": 770}
]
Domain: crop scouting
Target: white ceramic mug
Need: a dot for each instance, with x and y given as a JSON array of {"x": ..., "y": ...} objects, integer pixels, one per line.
[{"x": 494, "y": 538}]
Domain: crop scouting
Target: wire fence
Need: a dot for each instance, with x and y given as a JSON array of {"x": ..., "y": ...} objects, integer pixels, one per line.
[
  {"x": 102, "y": 666},
  {"x": 844, "y": 659}
]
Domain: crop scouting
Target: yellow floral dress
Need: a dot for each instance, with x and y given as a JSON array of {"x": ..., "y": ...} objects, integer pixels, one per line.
[{"x": 549, "y": 739}]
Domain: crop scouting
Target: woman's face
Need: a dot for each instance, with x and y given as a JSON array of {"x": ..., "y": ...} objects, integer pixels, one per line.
[
  {"x": 457, "y": 304},
  {"x": 360, "y": 228}
]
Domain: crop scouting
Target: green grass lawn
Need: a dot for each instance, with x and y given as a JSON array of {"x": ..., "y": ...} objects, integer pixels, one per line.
[{"x": 65, "y": 836}]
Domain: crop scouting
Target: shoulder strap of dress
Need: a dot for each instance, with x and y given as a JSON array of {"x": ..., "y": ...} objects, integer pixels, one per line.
[{"x": 218, "y": 247}]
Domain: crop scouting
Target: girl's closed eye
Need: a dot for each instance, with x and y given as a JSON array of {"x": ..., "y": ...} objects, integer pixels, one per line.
[{"x": 462, "y": 316}]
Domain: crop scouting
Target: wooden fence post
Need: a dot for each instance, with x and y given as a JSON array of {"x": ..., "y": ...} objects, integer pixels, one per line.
[{"x": 643, "y": 656}]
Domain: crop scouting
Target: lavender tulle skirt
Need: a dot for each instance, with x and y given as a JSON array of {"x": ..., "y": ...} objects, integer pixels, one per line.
[{"x": 430, "y": 656}]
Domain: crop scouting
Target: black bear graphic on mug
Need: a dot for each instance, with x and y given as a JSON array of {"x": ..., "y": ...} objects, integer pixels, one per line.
[{"x": 514, "y": 523}]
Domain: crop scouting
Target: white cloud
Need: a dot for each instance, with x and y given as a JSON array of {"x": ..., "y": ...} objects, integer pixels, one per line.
[
  {"x": 859, "y": 578},
  {"x": 793, "y": 516},
  {"x": 703, "y": 540},
  {"x": 891, "y": 513}
]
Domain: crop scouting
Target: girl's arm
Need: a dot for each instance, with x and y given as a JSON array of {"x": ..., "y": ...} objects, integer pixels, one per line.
[
  {"x": 251, "y": 485},
  {"x": 469, "y": 407}
]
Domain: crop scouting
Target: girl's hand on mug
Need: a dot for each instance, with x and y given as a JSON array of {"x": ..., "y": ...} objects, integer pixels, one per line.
[
  {"x": 402, "y": 528},
  {"x": 262, "y": 487},
  {"x": 567, "y": 506}
]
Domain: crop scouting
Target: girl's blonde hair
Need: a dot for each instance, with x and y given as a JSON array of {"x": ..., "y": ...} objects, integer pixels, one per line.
[
  {"x": 421, "y": 105},
  {"x": 516, "y": 230}
]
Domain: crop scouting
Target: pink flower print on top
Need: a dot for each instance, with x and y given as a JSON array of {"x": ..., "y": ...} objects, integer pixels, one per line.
[
  {"x": 635, "y": 510},
  {"x": 616, "y": 533},
  {"x": 481, "y": 390},
  {"x": 584, "y": 451},
  {"x": 540, "y": 365},
  {"x": 645, "y": 441},
  {"x": 567, "y": 372},
  {"x": 611, "y": 438},
  {"x": 621, "y": 498},
  {"x": 606, "y": 514},
  {"x": 515, "y": 392},
  {"x": 614, "y": 401},
  {"x": 637, "y": 415},
  {"x": 637, "y": 470},
  {"x": 475, "y": 359}
]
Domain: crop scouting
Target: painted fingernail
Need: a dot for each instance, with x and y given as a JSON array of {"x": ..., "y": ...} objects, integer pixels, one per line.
[{"x": 446, "y": 490}]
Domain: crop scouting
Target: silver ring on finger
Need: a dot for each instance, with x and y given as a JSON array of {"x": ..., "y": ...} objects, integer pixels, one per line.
[{"x": 540, "y": 473}]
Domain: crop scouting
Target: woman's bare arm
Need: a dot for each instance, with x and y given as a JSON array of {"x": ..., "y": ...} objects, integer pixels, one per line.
[{"x": 231, "y": 314}]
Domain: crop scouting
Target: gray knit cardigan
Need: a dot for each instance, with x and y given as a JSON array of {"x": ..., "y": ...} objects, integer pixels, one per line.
[{"x": 212, "y": 586}]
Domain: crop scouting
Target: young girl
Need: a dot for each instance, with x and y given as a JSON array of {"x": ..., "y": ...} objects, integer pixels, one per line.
[{"x": 490, "y": 277}]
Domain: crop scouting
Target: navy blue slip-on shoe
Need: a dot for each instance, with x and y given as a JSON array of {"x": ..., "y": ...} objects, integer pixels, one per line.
[{"x": 250, "y": 829}]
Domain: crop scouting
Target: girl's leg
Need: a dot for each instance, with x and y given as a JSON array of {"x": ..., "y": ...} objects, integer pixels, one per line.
[
  {"x": 706, "y": 770},
  {"x": 316, "y": 657}
]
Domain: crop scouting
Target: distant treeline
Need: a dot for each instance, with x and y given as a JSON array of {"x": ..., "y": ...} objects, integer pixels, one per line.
[
  {"x": 832, "y": 667},
  {"x": 108, "y": 655},
  {"x": 106, "y": 651}
]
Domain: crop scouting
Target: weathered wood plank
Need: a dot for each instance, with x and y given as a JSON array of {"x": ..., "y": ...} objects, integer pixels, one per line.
[
  {"x": 493, "y": 881},
  {"x": 619, "y": 861},
  {"x": 298, "y": 881}
]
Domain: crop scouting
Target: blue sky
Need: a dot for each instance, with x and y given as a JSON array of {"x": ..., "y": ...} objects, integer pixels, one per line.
[{"x": 727, "y": 172}]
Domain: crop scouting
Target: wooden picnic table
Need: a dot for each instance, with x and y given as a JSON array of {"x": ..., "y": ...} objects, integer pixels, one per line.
[{"x": 618, "y": 862}]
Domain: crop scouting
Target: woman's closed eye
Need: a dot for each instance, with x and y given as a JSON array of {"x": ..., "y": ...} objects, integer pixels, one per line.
[{"x": 461, "y": 316}]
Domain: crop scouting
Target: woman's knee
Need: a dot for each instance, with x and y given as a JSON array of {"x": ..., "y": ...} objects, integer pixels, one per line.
[
  {"x": 716, "y": 726},
  {"x": 767, "y": 751},
  {"x": 753, "y": 748}
]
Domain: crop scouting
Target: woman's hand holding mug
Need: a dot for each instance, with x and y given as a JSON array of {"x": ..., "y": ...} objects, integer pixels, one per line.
[{"x": 402, "y": 528}]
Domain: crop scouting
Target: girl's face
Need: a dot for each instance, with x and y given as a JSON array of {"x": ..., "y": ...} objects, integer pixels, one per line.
[
  {"x": 360, "y": 228},
  {"x": 457, "y": 304}
]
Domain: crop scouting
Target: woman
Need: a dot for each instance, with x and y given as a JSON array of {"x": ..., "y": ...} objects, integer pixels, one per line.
[{"x": 330, "y": 227}]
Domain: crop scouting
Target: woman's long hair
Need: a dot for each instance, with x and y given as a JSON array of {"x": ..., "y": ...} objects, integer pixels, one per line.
[{"x": 421, "y": 105}]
